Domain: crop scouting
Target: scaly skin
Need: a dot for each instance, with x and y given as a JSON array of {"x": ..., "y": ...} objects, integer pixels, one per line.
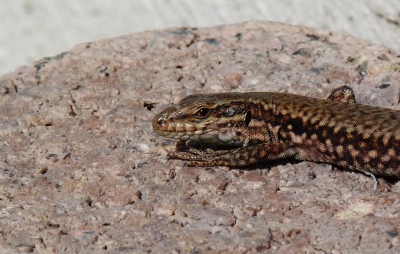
[{"x": 268, "y": 126}]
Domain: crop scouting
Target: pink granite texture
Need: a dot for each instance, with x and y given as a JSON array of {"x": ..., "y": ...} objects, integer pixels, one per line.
[{"x": 81, "y": 170}]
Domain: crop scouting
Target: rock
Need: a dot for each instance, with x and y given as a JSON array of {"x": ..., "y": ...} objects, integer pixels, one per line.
[{"x": 83, "y": 171}]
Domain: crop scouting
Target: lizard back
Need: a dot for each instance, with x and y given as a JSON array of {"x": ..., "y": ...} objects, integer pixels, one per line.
[{"x": 355, "y": 136}]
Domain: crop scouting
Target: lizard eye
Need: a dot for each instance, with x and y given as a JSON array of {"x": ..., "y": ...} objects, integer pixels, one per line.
[{"x": 203, "y": 112}]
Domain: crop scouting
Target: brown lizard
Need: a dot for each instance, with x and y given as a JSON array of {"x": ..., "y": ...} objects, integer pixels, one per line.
[{"x": 260, "y": 126}]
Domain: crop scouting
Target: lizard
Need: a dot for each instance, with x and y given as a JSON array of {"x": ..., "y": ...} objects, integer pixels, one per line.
[{"x": 262, "y": 126}]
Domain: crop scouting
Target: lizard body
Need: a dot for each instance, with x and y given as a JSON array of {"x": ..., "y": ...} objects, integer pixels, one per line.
[{"x": 260, "y": 126}]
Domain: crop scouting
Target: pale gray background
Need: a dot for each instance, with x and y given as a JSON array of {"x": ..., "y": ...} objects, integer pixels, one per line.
[{"x": 32, "y": 29}]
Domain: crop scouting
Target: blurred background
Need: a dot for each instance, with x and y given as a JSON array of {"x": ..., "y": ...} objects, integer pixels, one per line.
[{"x": 33, "y": 29}]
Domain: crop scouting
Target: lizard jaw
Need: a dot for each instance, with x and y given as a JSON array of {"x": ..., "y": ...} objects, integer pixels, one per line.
[{"x": 196, "y": 132}]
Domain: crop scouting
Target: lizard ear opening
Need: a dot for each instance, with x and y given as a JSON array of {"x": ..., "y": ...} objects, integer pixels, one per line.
[{"x": 247, "y": 118}]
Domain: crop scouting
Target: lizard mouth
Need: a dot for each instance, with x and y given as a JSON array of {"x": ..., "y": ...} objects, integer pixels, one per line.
[
  {"x": 196, "y": 132},
  {"x": 183, "y": 131}
]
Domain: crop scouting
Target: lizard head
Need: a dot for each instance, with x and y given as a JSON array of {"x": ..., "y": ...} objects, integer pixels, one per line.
[{"x": 218, "y": 119}]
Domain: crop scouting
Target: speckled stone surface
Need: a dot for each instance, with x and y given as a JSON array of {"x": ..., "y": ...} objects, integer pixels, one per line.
[{"x": 83, "y": 171}]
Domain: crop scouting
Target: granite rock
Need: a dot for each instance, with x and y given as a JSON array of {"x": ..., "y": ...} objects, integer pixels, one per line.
[{"x": 83, "y": 171}]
